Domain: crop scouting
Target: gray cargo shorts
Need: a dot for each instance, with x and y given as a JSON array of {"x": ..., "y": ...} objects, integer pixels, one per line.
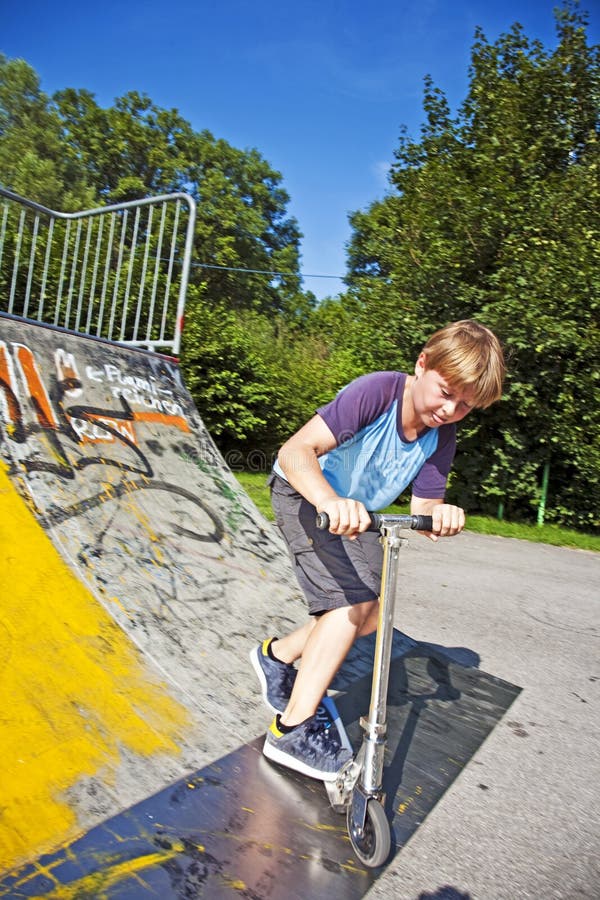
[{"x": 332, "y": 571}]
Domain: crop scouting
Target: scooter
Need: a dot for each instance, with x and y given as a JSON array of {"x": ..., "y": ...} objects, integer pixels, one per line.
[{"x": 358, "y": 790}]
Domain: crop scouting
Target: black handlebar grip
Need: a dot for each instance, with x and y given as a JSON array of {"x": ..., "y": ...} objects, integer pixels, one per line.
[
  {"x": 423, "y": 523},
  {"x": 322, "y": 521},
  {"x": 417, "y": 523}
]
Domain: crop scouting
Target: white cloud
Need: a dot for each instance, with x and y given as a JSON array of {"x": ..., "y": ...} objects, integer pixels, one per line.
[{"x": 381, "y": 170}]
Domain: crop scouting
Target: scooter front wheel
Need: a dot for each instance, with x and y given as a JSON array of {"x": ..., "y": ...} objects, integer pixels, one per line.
[{"x": 371, "y": 843}]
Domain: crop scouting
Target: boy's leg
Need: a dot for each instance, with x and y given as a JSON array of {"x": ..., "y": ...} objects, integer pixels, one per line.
[
  {"x": 325, "y": 649},
  {"x": 273, "y": 660},
  {"x": 299, "y": 738},
  {"x": 330, "y": 571},
  {"x": 290, "y": 648},
  {"x": 276, "y": 672}
]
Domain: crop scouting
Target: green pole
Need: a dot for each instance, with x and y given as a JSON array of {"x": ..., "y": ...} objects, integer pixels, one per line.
[
  {"x": 544, "y": 495},
  {"x": 500, "y": 510}
]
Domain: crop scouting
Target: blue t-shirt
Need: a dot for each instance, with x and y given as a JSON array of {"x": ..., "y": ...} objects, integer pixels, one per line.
[{"x": 373, "y": 461}]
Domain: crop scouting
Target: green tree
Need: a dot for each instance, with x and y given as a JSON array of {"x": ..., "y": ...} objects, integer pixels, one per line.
[
  {"x": 136, "y": 149},
  {"x": 32, "y": 158},
  {"x": 493, "y": 214},
  {"x": 254, "y": 378}
]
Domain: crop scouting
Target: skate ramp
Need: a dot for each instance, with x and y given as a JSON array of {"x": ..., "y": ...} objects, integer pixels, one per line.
[{"x": 136, "y": 574}]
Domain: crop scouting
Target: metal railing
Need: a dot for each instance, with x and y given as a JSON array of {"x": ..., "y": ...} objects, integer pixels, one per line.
[{"x": 118, "y": 272}]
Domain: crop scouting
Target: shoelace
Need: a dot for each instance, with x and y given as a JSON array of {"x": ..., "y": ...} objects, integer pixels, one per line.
[{"x": 318, "y": 738}]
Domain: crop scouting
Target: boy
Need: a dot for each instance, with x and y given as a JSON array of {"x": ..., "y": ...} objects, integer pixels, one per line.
[{"x": 381, "y": 433}]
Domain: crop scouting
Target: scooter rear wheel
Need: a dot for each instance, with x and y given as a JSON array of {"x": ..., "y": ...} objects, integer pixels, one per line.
[{"x": 371, "y": 844}]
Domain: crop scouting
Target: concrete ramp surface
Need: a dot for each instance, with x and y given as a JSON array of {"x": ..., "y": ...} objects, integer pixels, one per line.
[{"x": 129, "y": 597}]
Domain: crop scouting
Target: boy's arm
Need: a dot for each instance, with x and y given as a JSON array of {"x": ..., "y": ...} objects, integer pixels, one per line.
[
  {"x": 298, "y": 459},
  {"x": 447, "y": 519}
]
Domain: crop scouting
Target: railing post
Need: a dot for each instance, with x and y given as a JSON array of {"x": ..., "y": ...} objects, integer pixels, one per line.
[{"x": 544, "y": 494}]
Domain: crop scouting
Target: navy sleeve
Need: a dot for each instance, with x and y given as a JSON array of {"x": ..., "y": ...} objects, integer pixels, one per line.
[
  {"x": 430, "y": 483},
  {"x": 361, "y": 402}
]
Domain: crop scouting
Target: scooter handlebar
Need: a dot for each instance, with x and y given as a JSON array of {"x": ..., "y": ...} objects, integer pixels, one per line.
[{"x": 382, "y": 520}]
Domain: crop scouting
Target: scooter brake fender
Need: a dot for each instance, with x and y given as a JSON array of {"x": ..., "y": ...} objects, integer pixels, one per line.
[
  {"x": 358, "y": 807},
  {"x": 340, "y": 791}
]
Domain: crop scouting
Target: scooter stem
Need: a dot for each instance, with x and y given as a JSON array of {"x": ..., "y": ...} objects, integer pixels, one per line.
[{"x": 375, "y": 724}]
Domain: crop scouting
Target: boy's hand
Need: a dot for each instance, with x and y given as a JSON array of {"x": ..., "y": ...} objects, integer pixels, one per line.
[
  {"x": 346, "y": 516},
  {"x": 447, "y": 520}
]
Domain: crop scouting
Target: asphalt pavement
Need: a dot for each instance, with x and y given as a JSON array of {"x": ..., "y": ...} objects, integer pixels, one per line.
[{"x": 522, "y": 820}]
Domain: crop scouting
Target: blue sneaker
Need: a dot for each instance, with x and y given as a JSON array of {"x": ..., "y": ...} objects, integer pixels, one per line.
[
  {"x": 276, "y": 678},
  {"x": 312, "y": 748}
]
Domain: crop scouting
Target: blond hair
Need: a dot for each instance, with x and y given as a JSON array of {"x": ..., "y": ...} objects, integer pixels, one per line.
[{"x": 468, "y": 355}]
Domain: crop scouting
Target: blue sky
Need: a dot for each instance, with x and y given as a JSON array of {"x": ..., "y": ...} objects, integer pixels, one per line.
[{"x": 319, "y": 87}]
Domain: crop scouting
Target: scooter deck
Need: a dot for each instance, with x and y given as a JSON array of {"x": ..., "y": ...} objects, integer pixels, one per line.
[{"x": 243, "y": 826}]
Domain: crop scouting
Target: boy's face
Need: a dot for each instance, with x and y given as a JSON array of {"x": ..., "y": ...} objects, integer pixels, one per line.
[{"x": 435, "y": 400}]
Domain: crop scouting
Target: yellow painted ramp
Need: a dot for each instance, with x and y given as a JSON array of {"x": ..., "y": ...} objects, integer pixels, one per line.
[
  {"x": 75, "y": 691},
  {"x": 135, "y": 576}
]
